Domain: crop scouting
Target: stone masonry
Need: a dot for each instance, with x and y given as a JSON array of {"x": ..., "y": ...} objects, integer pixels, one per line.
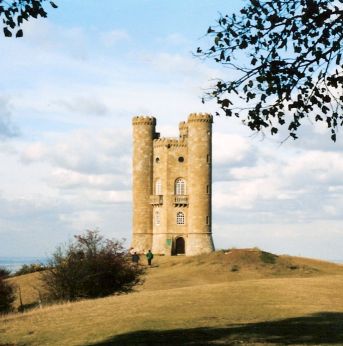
[{"x": 172, "y": 197}]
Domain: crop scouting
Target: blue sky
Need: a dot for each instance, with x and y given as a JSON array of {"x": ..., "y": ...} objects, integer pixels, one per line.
[{"x": 69, "y": 89}]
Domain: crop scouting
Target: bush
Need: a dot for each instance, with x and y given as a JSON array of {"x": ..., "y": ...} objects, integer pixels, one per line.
[
  {"x": 7, "y": 296},
  {"x": 29, "y": 268},
  {"x": 267, "y": 257},
  {"x": 90, "y": 267},
  {"x": 235, "y": 268},
  {"x": 4, "y": 273}
]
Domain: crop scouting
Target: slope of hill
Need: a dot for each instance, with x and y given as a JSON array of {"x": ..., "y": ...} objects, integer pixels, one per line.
[{"x": 238, "y": 297}]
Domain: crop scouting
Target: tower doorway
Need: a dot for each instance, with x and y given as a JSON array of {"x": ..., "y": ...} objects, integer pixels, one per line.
[{"x": 180, "y": 246}]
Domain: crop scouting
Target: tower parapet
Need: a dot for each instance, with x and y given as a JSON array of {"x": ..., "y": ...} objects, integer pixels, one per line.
[
  {"x": 183, "y": 129},
  {"x": 168, "y": 142},
  {"x": 143, "y": 120},
  {"x": 200, "y": 118}
]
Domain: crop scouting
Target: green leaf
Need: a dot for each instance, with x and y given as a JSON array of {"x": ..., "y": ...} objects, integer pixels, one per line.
[{"x": 53, "y": 4}]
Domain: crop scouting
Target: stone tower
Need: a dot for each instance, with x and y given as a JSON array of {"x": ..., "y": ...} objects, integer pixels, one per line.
[{"x": 172, "y": 199}]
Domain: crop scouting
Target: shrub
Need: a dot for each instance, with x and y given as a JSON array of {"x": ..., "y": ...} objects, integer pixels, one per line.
[
  {"x": 4, "y": 273},
  {"x": 90, "y": 267},
  {"x": 235, "y": 268},
  {"x": 7, "y": 296},
  {"x": 29, "y": 268},
  {"x": 267, "y": 257}
]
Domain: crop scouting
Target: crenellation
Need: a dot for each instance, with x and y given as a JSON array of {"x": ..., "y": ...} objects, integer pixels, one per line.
[
  {"x": 200, "y": 117},
  {"x": 143, "y": 120},
  {"x": 168, "y": 142}
]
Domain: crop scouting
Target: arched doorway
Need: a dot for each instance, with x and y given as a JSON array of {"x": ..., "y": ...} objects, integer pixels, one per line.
[{"x": 180, "y": 246}]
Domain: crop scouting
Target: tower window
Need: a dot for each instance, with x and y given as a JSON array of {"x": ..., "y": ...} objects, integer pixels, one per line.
[
  {"x": 157, "y": 160},
  {"x": 157, "y": 218},
  {"x": 181, "y": 159},
  {"x": 180, "y": 186},
  {"x": 180, "y": 218},
  {"x": 158, "y": 187},
  {"x": 208, "y": 159},
  {"x": 207, "y": 188},
  {"x": 207, "y": 220}
]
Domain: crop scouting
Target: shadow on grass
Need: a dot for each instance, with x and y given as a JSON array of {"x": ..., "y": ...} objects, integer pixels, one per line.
[{"x": 317, "y": 329}]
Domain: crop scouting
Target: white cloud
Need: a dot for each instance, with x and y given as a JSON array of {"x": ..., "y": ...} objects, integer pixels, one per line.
[
  {"x": 7, "y": 127},
  {"x": 112, "y": 37},
  {"x": 185, "y": 66},
  {"x": 67, "y": 179},
  {"x": 228, "y": 148},
  {"x": 84, "y": 151},
  {"x": 84, "y": 105},
  {"x": 175, "y": 39}
]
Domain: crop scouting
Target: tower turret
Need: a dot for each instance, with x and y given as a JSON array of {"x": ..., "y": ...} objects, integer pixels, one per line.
[
  {"x": 142, "y": 170},
  {"x": 200, "y": 181}
]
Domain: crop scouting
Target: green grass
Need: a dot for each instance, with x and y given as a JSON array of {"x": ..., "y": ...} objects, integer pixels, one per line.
[{"x": 199, "y": 301}]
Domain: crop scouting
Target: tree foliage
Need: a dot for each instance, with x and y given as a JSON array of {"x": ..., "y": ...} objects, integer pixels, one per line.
[
  {"x": 90, "y": 267},
  {"x": 7, "y": 295},
  {"x": 4, "y": 273},
  {"x": 288, "y": 54},
  {"x": 29, "y": 268},
  {"x": 13, "y": 14}
]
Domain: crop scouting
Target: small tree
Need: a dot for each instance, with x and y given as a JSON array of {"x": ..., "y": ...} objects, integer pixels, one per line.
[
  {"x": 29, "y": 268},
  {"x": 7, "y": 296},
  {"x": 4, "y": 273},
  {"x": 90, "y": 267}
]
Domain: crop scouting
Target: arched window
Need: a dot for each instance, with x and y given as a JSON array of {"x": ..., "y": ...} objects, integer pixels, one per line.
[
  {"x": 180, "y": 218},
  {"x": 157, "y": 218},
  {"x": 158, "y": 187},
  {"x": 180, "y": 186}
]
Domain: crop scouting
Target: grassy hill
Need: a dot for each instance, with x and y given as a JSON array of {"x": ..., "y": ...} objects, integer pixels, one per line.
[{"x": 236, "y": 297}]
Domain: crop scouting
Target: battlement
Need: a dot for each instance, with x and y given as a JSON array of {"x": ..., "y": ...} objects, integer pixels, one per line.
[
  {"x": 168, "y": 142},
  {"x": 200, "y": 117},
  {"x": 143, "y": 120},
  {"x": 182, "y": 125}
]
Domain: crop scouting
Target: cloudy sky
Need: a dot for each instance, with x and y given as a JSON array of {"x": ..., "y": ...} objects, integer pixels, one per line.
[{"x": 69, "y": 89}]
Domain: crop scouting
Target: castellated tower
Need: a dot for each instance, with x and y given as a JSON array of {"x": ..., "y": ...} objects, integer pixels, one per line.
[
  {"x": 143, "y": 136},
  {"x": 172, "y": 187}
]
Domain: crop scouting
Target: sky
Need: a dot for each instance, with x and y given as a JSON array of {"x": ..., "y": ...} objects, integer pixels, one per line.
[{"x": 68, "y": 91}]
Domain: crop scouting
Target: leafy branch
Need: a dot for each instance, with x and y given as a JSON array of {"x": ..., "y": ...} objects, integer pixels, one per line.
[
  {"x": 293, "y": 51},
  {"x": 13, "y": 14}
]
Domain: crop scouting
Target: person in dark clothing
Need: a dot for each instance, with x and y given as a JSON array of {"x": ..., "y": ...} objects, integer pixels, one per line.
[
  {"x": 135, "y": 258},
  {"x": 149, "y": 256}
]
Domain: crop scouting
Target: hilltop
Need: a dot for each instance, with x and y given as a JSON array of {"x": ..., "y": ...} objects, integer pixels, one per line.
[{"x": 239, "y": 296}]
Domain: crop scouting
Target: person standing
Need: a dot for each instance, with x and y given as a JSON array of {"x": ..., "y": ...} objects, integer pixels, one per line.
[
  {"x": 149, "y": 256},
  {"x": 135, "y": 258}
]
